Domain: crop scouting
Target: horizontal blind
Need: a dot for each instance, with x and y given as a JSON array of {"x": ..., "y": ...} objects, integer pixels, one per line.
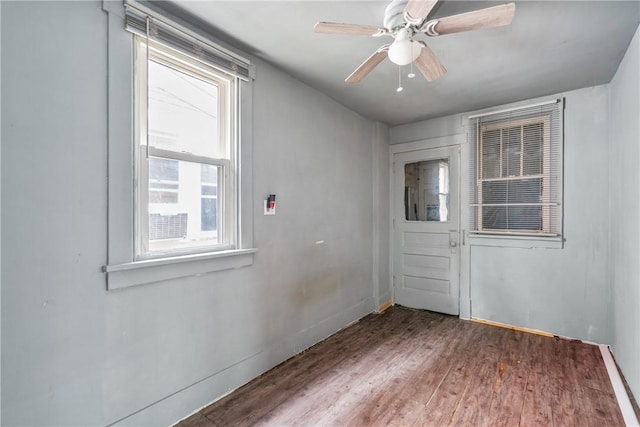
[
  {"x": 171, "y": 34},
  {"x": 516, "y": 171}
]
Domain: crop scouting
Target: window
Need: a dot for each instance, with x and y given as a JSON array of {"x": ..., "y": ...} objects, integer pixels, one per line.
[
  {"x": 175, "y": 188},
  {"x": 517, "y": 179},
  {"x": 185, "y": 155}
]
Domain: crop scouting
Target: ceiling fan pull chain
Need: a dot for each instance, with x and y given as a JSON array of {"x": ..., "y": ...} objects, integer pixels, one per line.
[
  {"x": 399, "y": 79},
  {"x": 411, "y": 74}
]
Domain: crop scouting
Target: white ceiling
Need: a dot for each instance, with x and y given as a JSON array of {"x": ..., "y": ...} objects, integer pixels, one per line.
[{"x": 551, "y": 47}]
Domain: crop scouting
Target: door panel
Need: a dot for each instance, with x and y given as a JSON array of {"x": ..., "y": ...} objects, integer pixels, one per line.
[
  {"x": 426, "y": 229},
  {"x": 426, "y": 261}
]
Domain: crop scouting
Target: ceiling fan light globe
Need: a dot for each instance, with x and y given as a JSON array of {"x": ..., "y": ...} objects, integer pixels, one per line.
[{"x": 404, "y": 52}]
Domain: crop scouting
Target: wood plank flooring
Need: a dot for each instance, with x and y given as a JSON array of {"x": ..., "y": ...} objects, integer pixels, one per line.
[{"x": 410, "y": 367}]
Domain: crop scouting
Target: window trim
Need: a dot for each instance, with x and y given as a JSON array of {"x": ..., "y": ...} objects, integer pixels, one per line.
[{"x": 121, "y": 269}]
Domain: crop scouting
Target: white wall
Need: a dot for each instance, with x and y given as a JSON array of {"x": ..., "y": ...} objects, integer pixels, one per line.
[
  {"x": 563, "y": 291},
  {"x": 75, "y": 354},
  {"x": 624, "y": 185}
]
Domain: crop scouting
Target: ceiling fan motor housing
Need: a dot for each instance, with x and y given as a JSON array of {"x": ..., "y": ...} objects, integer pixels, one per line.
[{"x": 394, "y": 15}]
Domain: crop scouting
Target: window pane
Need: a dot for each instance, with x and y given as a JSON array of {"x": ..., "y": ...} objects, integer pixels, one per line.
[
  {"x": 163, "y": 196},
  {"x": 427, "y": 190},
  {"x": 525, "y": 191},
  {"x": 183, "y": 112},
  {"x": 167, "y": 226},
  {"x": 533, "y": 146},
  {"x": 512, "y": 217},
  {"x": 512, "y": 191},
  {"x": 527, "y": 218},
  {"x": 209, "y": 190},
  {"x": 209, "y": 173},
  {"x": 163, "y": 180},
  {"x": 187, "y": 215},
  {"x": 163, "y": 169},
  {"x": 511, "y": 151},
  {"x": 491, "y": 154},
  {"x": 209, "y": 214}
]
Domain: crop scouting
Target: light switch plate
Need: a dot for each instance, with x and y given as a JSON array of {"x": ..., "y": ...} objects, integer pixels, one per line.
[{"x": 268, "y": 211}]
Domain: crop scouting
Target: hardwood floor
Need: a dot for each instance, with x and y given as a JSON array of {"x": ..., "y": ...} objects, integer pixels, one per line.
[{"x": 417, "y": 368}]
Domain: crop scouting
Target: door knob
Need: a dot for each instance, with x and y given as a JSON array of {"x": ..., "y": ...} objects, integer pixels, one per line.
[{"x": 453, "y": 244}]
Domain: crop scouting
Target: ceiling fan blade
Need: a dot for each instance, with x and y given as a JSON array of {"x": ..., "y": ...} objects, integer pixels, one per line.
[
  {"x": 429, "y": 65},
  {"x": 495, "y": 16},
  {"x": 348, "y": 29},
  {"x": 417, "y": 10},
  {"x": 367, "y": 66}
]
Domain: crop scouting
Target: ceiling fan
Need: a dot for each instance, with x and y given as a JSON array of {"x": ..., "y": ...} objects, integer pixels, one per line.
[{"x": 404, "y": 20}]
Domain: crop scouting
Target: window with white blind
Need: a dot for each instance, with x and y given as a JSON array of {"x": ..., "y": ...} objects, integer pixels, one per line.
[{"x": 517, "y": 172}]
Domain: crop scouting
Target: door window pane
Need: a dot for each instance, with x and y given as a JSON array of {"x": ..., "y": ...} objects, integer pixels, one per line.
[{"x": 426, "y": 191}]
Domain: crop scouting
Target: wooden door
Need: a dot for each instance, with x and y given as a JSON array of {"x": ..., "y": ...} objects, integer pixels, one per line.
[{"x": 426, "y": 229}]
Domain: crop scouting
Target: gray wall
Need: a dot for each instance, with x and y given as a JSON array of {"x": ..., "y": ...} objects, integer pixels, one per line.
[
  {"x": 563, "y": 291},
  {"x": 74, "y": 353},
  {"x": 624, "y": 185},
  {"x": 381, "y": 214},
  {"x": 0, "y": 213}
]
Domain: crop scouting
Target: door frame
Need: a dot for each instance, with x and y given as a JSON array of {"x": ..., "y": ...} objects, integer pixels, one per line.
[{"x": 459, "y": 140}]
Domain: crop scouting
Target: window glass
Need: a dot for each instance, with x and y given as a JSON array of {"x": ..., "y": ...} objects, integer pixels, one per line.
[
  {"x": 183, "y": 112},
  {"x": 511, "y": 153},
  {"x": 427, "y": 190},
  {"x": 491, "y": 154},
  {"x": 533, "y": 148},
  {"x": 209, "y": 198},
  {"x": 190, "y": 214},
  {"x": 163, "y": 180}
]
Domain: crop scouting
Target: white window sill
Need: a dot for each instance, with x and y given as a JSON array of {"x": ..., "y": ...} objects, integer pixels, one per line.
[
  {"x": 157, "y": 270},
  {"x": 513, "y": 241}
]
